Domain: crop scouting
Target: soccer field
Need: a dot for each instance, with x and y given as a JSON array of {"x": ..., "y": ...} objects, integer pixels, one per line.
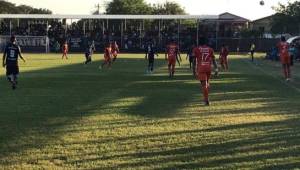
[{"x": 65, "y": 115}]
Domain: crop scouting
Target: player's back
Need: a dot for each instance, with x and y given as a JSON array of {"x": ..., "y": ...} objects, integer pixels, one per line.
[
  {"x": 107, "y": 51},
  {"x": 204, "y": 57},
  {"x": 283, "y": 49},
  {"x": 172, "y": 50},
  {"x": 224, "y": 52},
  {"x": 12, "y": 53},
  {"x": 65, "y": 47}
]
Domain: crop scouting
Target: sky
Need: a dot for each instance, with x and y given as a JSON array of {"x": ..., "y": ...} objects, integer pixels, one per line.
[{"x": 249, "y": 9}]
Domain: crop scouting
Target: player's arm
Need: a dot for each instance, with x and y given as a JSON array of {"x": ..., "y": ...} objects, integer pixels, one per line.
[
  {"x": 166, "y": 54},
  {"x": 4, "y": 59},
  {"x": 146, "y": 55},
  {"x": 178, "y": 57},
  {"x": 20, "y": 54}
]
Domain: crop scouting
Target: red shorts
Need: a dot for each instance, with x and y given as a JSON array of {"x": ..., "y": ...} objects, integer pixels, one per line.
[
  {"x": 223, "y": 60},
  {"x": 285, "y": 59},
  {"x": 107, "y": 59},
  {"x": 172, "y": 61},
  {"x": 204, "y": 76}
]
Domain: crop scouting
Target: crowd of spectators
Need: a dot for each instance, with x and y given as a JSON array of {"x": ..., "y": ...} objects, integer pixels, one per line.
[{"x": 133, "y": 38}]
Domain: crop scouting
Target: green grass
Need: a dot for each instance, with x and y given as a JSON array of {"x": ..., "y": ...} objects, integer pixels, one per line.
[{"x": 67, "y": 116}]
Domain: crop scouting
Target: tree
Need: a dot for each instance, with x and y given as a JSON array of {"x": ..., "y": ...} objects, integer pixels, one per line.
[
  {"x": 287, "y": 19},
  {"x": 169, "y": 8},
  {"x": 10, "y": 8},
  {"x": 133, "y": 7}
]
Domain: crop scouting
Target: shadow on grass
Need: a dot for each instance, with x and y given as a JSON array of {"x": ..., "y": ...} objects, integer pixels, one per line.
[{"x": 48, "y": 100}]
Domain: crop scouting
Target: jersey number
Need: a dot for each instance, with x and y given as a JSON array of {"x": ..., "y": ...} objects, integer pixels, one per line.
[{"x": 204, "y": 56}]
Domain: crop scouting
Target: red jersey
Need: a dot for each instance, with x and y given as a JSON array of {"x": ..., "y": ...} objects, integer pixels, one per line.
[
  {"x": 65, "y": 47},
  {"x": 172, "y": 51},
  {"x": 224, "y": 52},
  {"x": 204, "y": 58},
  {"x": 107, "y": 52},
  {"x": 283, "y": 49}
]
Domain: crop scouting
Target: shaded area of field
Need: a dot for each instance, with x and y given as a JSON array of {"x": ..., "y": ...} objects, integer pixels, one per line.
[{"x": 66, "y": 115}]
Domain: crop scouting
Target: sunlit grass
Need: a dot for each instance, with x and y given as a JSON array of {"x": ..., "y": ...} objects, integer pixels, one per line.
[{"x": 65, "y": 115}]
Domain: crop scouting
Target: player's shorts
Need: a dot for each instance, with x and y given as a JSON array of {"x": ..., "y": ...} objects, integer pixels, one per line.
[
  {"x": 12, "y": 70},
  {"x": 204, "y": 76},
  {"x": 65, "y": 52},
  {"x": 88, "y": 55},
  {"x": 285, "y": 59},
  {"x": 223, "y": 60},
  {"x": 107, "y": 59},
  {"x": 172, "y": 62},
  {"x": 151, "y": 60}
]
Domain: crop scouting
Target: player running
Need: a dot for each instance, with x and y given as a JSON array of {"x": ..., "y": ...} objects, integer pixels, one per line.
[
  {"x": 115, "y": 51},
  {"x": 224, "y": 57},
  {"x": 150, "y": 54},
  {"x": 10, "y": 61},
  {"x": 285, "y": 59},
  {"x": 172, "y": 55},
  {"x": 89, "y": 53},
  {"x": 204, "y": 59},
  {"x": 192, "y": 60},
  {"x": 107, "y": 56},
  {"x": 65, "y": 50}
]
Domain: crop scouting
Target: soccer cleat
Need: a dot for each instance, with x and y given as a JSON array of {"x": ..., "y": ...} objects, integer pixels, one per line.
[
  {"x": 206, "y": 103},
  {"x": 288, "y": 80}
]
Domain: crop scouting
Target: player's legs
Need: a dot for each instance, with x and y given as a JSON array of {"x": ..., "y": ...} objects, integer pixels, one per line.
[
  {"x": 86, "y": 58},
  {"x": 288, "y": 70},
  {"x": 252, "y": 56},
  {"x": 226, "y": 63},
  {"x": 204, "y": 79},
  {"x": 285, "y": 71},
  {"x": 151, "y": 65},
  {"x": 169, "y": 69},
  {"x": 173, "y": 69},
  {"x": 194, "y": 66},
  {"x": 115, "y": 57}
]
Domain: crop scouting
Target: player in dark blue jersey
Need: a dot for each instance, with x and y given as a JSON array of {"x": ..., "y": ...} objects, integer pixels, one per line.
[
  {"x": 150, "y": 54},
  {"x": 89, "y": 51},
  {"x": 192, "y": 59},
  {"x": 10, "y": 60}
]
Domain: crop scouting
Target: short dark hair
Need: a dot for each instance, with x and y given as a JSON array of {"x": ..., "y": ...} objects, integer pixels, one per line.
[
  {"x": 13, "y": 38},
  {"x": 283, "y": 38},
  {"x": 202, "y": 41}
]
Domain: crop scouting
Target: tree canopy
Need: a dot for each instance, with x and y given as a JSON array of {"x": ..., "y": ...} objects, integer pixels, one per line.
[
  {"x": 135, "y": 7},
  {"x": 287, "y": 18},
  {"x": 10, "y": 8}
]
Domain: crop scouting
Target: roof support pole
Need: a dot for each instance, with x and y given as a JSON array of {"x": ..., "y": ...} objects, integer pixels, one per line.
[
  {"x": 197, "y": 34},
  {"x": 10, "y": 28}
]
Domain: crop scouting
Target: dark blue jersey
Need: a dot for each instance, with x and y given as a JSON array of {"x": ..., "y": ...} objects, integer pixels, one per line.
[
  {"x": 12, "y": 52},
  {"x": 151, "y": 51}
]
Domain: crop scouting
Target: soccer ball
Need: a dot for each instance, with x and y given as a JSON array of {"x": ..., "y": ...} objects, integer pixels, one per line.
[{"x": 262, "y": 3}]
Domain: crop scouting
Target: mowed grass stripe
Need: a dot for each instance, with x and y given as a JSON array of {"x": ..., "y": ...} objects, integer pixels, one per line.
[{"x": 68, "y": 116}]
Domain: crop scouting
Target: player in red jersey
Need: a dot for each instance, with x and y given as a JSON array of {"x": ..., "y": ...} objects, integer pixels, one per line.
[
  {"x": 107, "y": 56},
  {"x": 172, "y": 55},
  {"x": 65, "y": 50},
  {"x": 224, "y": 57},
  {"x": 115, "y": 51},
  {"x": 285, "y": 59},
  {"x": 204, "y": 59}
]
